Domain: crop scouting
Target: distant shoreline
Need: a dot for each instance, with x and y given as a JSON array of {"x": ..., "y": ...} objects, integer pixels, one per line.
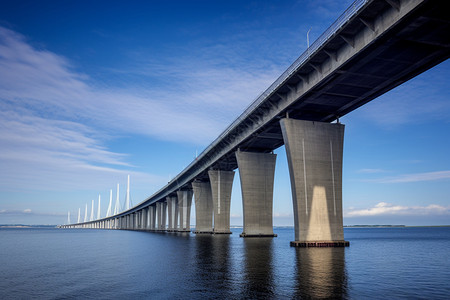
[
  {"x": 25, "y": 226},
  {"x": 238, "y": 226},
  {"x": 392, "y": 226}
]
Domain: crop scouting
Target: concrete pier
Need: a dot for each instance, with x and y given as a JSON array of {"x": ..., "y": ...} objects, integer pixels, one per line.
[
  {"x": 184, "y": 207},
  {"x": 139, "y": 221},
  {"x": 144, "y": 222},
  {"x": 163, "y": 208},
  {"x": 314, "y": 152},
  {"x": 203, "y": 207},
  {"x": 256, "y": 172},
  {"x": 221, "y": 185},
  {"x": 152, "y": 217},
  {"x": 172, "y": 211},
  {"x": 159, "y": 216},
  {"x": 136, "y": 217}
]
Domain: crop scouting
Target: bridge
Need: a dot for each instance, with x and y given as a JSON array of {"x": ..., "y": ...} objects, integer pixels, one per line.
[{"x": 374, "y": 46}]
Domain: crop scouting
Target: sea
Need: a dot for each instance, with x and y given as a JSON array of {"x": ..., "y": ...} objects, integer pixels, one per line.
[{"x": 381, "y": 263}]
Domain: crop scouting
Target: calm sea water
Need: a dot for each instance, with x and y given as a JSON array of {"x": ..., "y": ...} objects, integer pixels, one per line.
[{"x": 383, "y": 263}]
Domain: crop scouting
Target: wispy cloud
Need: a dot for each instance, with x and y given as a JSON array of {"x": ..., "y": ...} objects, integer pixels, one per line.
[
  {"x": 204, "y": 92},
  {"x": 385, "y": 209},
  {"x": 330, "y": 9},
  {"x": 39, "y": 153},
  {"x": 282, "y": 215},
  {"x": 412, "y": 102},
  {"x": 55, "y": 121},
  {"x": 371, "y": 171},
  {"x": 28, "y": 212},
  {"x": 416, "y": 177}
]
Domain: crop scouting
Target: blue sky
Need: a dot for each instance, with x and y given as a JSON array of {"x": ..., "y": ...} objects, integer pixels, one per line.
[{"x": 93, "y": 91}]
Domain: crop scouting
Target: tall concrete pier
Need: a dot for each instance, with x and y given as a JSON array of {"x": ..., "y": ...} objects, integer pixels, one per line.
[
  {"x": 256, "y": 171},
  {"x": 314, "y": 152},
  {"x": 184, "y": 206},
  {"x": 161, "y": 215},
  {"x": 144, "y": 216},
  {"x": 203, "y": 207},
  {"x": 221, "y": 185},
  {"x": 152, "y": 217},
  {"x": 172, "y": 211}
]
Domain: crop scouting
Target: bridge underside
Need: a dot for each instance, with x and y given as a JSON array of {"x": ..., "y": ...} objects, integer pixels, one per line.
[{"x": 415, "y": 44}]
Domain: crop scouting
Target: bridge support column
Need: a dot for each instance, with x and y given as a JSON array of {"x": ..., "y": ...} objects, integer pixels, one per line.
[
  {"x": 203, "y": 207},
  {"x": 137, "y": 219},
  {"x": 144, "y": 218},
  {"x": 221, "y": 185},
  {"x": 130, "y": 221},
  {"x": 314, "y": 152},
  {"x": 151, "y": 217},
  {"x": 175, "y": 213},
  {"x": 184, "y": 207},
  {"x": 172, "y": 211},
  {"x": 256, "y": 172},
  {"x": 161, "y": 213},
  {"x": 158, "y": 215}
]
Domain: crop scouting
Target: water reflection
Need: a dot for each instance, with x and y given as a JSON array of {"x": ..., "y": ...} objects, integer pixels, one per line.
[
  {"x": 256, "y": 268},
  {"x": 258, "y": 272},
  {"x": 321, "y": 273},
  {"x": 213, "y": 263}
]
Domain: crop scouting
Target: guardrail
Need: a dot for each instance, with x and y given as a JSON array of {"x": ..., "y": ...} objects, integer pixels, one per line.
[
  {"x": 324, "y": 37},
  {"x": 316, "y": 45}
]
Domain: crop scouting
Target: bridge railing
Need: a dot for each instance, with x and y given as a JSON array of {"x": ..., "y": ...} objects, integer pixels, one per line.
[
  {"x": 316, "y": 45},
  {"x": 324, "y": 37}
]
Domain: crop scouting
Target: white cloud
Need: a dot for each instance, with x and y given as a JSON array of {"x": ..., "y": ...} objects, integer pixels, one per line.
[
  {"x": 282, "y": 215},
  {"x": 55, "y": 121},
  {"x": 28, "y": 212},
  {"x": 39, "y": 153},
  {"x": 371, "y": 171},
  {"x": 386, "y": 209},
  {"x": 413, "y": 102},
  {"x": 206, "y": 94},
  {"x": 417, "y": 177}
]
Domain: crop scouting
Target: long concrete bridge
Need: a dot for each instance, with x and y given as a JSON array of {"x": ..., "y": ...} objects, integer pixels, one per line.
[{"x": 374, "y": 46}]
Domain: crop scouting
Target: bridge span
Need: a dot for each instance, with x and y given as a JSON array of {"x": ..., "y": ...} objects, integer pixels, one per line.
[{"x": 374, "y": 46}]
